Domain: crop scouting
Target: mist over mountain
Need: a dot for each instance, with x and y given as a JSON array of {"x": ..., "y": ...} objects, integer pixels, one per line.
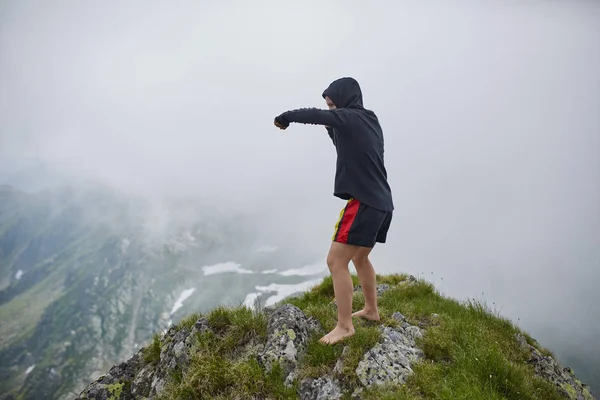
[{"x": 86, "y": 280}]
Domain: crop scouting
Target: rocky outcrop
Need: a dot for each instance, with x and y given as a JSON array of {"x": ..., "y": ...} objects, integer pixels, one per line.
[
  {"x": 549, "y": 369},
  {"x": 324, "y": 388},
  {"x": 390, "y": 360},
  {"x": 116, "y": 384},
  {"x": 288, "y": 333},
  {"x": 138, "y": 379}
]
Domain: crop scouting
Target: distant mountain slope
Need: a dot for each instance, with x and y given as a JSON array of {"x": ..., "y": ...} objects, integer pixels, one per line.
[{"x": 85, "y": 278}]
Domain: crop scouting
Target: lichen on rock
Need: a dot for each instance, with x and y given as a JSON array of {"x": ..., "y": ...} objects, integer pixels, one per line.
[
  {"x": 135, "y": 379},
  {"x": 390, "y": 360},
  {"x": 116, "y": 384},
  {"x": 289, "y": 331},
  {"x": 549, "y": 369},
  {"x": 323, "y": 388}
]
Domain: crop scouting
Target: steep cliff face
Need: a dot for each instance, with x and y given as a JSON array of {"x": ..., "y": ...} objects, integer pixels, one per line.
[
  {"x": 86, "y": 278},
  {"x": 425, "y": 346}
]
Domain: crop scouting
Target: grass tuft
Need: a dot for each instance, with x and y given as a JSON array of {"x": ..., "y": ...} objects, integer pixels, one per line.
[
  {"x": 189, "y": 321},
  {"x": 216, "y": 373},
  {"x": 151, "y": 353}
]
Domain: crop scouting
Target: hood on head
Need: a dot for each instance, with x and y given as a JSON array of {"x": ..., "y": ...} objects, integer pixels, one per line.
[{"x": 345, "y": 93}]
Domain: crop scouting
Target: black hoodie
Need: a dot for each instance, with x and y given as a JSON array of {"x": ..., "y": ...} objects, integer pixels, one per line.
[{"x": 358, "y": 138}]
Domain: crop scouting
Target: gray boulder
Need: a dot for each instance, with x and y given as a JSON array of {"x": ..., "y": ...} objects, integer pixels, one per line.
[
  {"x": 289, "y": 330},
  {"x": 323, "y": 388},
  {"x": 390, "y": 360}
]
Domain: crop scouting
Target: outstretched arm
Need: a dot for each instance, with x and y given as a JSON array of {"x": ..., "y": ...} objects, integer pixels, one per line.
[{"x": 314, "y": 116}]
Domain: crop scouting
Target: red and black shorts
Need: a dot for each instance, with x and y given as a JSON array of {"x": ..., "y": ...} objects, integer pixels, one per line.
[{"x": 361, "y": 225}]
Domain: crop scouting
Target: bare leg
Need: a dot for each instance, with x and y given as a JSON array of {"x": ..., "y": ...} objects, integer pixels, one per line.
[
  {"x": 366, "y": 275},
  {"x": 337, "y": 260}
]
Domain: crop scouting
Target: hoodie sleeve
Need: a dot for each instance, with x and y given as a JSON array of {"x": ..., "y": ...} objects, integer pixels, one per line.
[{"x": 315, "y": 116}]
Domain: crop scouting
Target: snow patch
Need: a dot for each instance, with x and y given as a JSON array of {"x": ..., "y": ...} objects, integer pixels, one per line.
[
  {"x": 285, "y": 290},
  {"x": 269, "y": 271},
  {"x": 182, "y": 297},
  {"x": 312, "y": 269},
  {"x": 250, "y": 298},
  {"x": 28, "y": 370},
  {"x": 221, "y": 268},
  {"x": 19, "y": 274}
]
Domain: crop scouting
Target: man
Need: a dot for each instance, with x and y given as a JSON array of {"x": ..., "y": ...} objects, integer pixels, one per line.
[{"x": 361, "y": 180}]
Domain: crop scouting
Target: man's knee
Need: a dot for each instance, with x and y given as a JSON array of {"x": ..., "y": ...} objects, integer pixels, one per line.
[
  {"x": 360, "y": 261},
  {"x": 361, "y": 258},
  {"x": 334, "y": 262},
  {"x": 339, "y": 256}
]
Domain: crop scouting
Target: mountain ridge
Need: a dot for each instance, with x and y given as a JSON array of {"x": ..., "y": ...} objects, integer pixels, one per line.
[{"x": 461, "y": 351}]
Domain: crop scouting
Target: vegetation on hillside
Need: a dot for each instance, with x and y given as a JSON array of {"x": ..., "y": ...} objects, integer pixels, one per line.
[{"x": 470, "y": 352}]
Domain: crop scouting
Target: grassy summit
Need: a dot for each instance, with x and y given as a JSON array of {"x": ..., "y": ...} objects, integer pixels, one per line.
[{"x": 467, "y": 352}]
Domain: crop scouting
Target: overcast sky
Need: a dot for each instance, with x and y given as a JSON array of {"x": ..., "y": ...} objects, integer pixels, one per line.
[{"x": 491, "y": 115}]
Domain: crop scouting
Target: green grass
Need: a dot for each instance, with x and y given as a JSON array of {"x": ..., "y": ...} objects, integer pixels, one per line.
[
  {"x": 218, "y": 369},
  {"x": 236, "y": 327},
  {"x": 470, "y": 352},
  {"x": 211, "y": 376},
  {"x": 151, "y": 353},
  {"x": 189, "y": 321}
]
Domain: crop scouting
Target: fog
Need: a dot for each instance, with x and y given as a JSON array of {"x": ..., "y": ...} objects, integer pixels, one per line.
[{"x": 491, "y": 116}]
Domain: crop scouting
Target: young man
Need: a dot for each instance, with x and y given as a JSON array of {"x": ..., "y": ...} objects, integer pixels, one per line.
[{"x": 361, "y": 179}]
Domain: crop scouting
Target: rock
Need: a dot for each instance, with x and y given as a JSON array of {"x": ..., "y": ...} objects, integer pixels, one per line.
[
  {"x": 142, "y": 384},
  {"x": 356, "y": 395},
  {"x": 547, "y": 368},
  {"x": 174, "y": 354},
  {"x": 339, "y": 365},
  {"x": 380, "y": 289},
  {"x": 289, "y": 330},
  {"x": 398, "y": 317},
  {"x": 324, "y": 388},
  {"x": 358, "y": 289},
  {"x": 390, "y": 360},
  {"x": 410, "y": 281},
  {"x": 200, "y": 326},
  {"x": 116, "y": 384}
]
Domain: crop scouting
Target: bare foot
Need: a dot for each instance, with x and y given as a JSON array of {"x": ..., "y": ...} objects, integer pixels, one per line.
[
  {"x": 336, "y": 335},
  {"x": 367, "y": 314}
]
